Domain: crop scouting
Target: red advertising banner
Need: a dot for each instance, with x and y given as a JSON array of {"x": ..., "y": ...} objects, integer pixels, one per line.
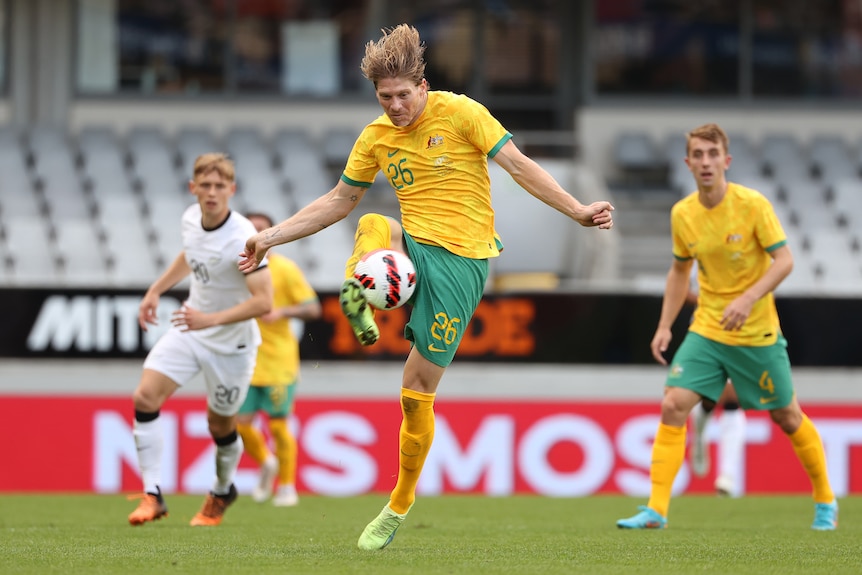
[{"x": 349, "y": 447}]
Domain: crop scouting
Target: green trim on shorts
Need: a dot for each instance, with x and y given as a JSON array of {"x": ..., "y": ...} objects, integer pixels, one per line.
[
  {"x": 760, "y": 374},
  {"x": 273, "y": 400},
  {"x": 444, "y": 305}
]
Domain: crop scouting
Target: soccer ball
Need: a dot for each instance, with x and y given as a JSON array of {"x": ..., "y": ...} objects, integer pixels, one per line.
[{"x": 388, "y": 277}]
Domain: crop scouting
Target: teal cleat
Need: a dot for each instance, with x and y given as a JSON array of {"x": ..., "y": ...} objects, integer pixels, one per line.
[
  {"x": 825, "y": 516},
  {"x": 646, "y": 519},
  {"x": 358, "y": 312},
  {"x": 379, "y": 533}
]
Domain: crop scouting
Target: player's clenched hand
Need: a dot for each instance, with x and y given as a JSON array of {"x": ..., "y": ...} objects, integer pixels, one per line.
[
  {"x": 597, "y": 214},
  {"x": 252, "y": 255}
]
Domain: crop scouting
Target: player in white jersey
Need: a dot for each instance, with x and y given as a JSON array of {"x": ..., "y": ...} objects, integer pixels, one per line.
[{"x": 213, "y": 333}]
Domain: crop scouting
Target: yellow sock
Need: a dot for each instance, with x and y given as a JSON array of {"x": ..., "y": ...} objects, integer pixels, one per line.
[
  {"x": 253, "y": 442},
  {"x": 285, "y": 450},
  {"x": 372, "y": 233},
  {"x": 809, "y": 449},
  {"x": 417, "y": 433},
  {"x": 668, "y": 453}
]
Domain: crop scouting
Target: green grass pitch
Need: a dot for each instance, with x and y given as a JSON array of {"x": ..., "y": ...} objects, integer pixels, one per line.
[{"x": 70, "y": 534}]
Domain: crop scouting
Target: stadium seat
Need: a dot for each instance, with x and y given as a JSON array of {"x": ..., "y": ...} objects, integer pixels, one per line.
[
  {"x": 634, "y": 150},
  {"x": 146, "y": 137},
  {"x": 97, "y": 139},
  {"x": 831, "y": 159},
  {"x": 326, "y": 253},
  {"x": 133, "y": 256},
  {"x": 82, "y": 252},
  {"x": 839, "y": 264},
  {"x": 745, "y": 164},
  {"x": 191, "y": 142},
  {"x": 155, "y": 176},
  {"x": 803, "y": 280},
  {"x": 17, "y": 196},
  {"x": 55, "y": 175},
  {"x": 46, "y": 140},
  {"x": 336, "y": 146},
  {"x": 63, "y": 196},
  {"x": 10, "y": 137},
  {"x": 262, "y": 192},
  {"x": 845, "y": 196},
  {"x": 674, "y": 148},
  {"x": 34, "y": 256},
  {"x": 249, "y": 150},
  {"x": 152, "y": 161},
  {"x": 105, "y": 175},
  {"x": 800, "y": 193},
  {"x": 781, "y": 153}
]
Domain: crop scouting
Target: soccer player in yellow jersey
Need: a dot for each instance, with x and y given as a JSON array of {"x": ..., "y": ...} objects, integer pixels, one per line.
[
  {"x": 433, "y": 147},
  {"x": 273, "y": 385},
  {"x": 742, "y": 255}
]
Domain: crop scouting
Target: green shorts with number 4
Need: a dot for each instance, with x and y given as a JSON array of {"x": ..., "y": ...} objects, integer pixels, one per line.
[
  {"x": 760, "y": 375},
  {"x": 448, "y": 290}
]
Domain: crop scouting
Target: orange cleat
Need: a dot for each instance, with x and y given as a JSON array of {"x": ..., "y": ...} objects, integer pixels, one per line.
[
  {"x": 214, "y": 507},
  {"x": 151, "y": 507}
]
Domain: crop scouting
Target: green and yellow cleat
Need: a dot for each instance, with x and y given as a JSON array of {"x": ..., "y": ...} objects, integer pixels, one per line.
[{"x": 358, "y": 312}]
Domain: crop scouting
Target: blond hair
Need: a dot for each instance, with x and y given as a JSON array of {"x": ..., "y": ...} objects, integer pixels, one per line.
[
  {"x": 214, "y": 162},
  {"x": 711, "y": 133},
  {"x": 397, "y": 54}
]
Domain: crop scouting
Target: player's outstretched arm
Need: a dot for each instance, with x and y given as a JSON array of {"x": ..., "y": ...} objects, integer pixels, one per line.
[
  {"x": 536, "y": 180},
  {"x": 318, "y": 215}
]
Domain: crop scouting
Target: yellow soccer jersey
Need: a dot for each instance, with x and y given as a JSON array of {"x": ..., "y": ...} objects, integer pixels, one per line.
[
  {"x": 731, "y": 243},
  {"x": 438, "y": 168},
  {"x": 278, "y": 354}
]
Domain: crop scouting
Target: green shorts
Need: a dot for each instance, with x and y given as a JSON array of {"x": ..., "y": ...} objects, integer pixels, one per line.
[
  {"x": 273, "y": 400},
  {"x": 760, "y": 374},
  {"x": 448, "y": 291}
]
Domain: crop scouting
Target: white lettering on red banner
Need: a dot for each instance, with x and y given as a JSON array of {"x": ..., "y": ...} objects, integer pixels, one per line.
[{"x": 350, "y": 446}]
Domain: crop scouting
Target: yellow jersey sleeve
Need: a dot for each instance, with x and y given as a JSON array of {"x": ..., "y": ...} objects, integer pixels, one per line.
[
  {"x": 438, "y": 169},
  {"x": 278, "y": 354},
  {"x": 731, "y": 243}
]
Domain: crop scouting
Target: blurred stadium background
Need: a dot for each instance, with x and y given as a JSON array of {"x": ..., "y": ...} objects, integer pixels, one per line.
[{"x": 104, "y": 104}]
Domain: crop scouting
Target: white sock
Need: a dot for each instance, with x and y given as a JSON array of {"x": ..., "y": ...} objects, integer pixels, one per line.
[
  {"x": 227, "y": 462},
  {"x": 701, "y": 417},
  {"x": 149, "y": 441},
  {"x": 731, "y": 448}
]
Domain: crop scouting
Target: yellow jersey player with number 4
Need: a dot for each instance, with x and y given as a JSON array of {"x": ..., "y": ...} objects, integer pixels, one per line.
[
  {"x": 433, "y": 147},
  {"x": 742, "y": 256},
  {"x": 276, "y": 373}
]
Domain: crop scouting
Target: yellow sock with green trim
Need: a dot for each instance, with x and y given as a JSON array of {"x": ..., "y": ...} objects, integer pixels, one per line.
[
  {"x": 285, "y": 450},
  {"x": 668, "y": 453},
  {"x": 372, "y": 233},
  {"x": 809, "y": 449},
  {"x": 416, "y": 436},
  {"x": 253, "y": 442}
]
